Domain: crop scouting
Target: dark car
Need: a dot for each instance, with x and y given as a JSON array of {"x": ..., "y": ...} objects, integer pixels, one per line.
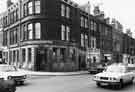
[
  {"x": 96, "y": 69},
  {"x": 7, "y": 85}
]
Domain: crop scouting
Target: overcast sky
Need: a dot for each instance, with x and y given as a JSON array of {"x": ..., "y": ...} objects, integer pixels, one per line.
[{"x": 122, "y": 10}]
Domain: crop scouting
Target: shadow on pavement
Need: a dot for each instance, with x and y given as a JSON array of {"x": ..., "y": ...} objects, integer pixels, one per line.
[{"x": 25, "y": 84}]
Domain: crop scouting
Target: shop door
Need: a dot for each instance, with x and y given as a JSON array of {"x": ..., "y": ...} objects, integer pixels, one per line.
[{"x": 41, "y": 59}]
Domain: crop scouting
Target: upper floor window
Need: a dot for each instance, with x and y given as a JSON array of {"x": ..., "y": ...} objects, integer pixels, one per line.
[
  {"x": 30, "y": 31},
  {"x": 25, "y": 10},
  {"x": 30, "y": 8},
  {"x": 37, "y": 6},
  {"x": 65, "y": 32},
  {"x": 37, "y": 30},
  {"x": 91, "y": 25},
  {"x": 62, "y": 10},
  {"x": 67, "y": 12},
  {"x": 24, "y": 32},
  {"x": 95, "y": 26},
  {"x": 86, "y": 40},
  {"x": 93, "y": 42},
  {"x": 23, "y": 55},
  {"x": 62, "y": 32},
  {"x": 86, "y": 23},
  {"x": 82, "y": 21},
  {"x": 68, "y": 33},
  {"x": 82, "y": 40}
]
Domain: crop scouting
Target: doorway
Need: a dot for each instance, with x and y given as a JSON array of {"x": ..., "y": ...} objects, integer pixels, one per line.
[{"x": 41, "y": 59}]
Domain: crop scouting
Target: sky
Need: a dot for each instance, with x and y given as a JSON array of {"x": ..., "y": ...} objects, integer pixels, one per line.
[{"x": 122, "y": 10}]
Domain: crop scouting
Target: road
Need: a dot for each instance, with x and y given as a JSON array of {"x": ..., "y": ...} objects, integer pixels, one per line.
[{"x": 80, "y": 83}]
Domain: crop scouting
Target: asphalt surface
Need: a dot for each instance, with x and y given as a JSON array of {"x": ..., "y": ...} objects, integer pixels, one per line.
[{"x": 76, "y": 83}]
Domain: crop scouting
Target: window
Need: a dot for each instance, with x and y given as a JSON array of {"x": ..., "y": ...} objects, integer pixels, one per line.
[
  {"x": 29, "y": 55},
  {"x": 86, "y": 40},
  {"x": 25, "y": 10},
  {"x": 11, "y": 17},
  {"x": 62, "y": 10},
  {"x": 37, "y": 30},
  {"x": 17, "y": 12},
  {"x": 95, "y": 26},
  {"x": 30, "y": 31},
  {"x": 67, "y": 12},
  {"x": 15, "y": 36},
  {"x": 5, "y": 38},
  {"x": 11, "y": 37},
  {"x": 65, "y": 32},
  {"x": 82, "y": 21},
  {"x": 91, "y": 25},
  {"x": 23, "y": 55},
  {"x": 14, "y": 13},
  {"x": 82, "y": 40},
  {"x": 21, "y": 34},
  {"x": 62, "y": 32},
  {"x": 68, "y": 33},
  {"x": 93, "y": 42},
  {"x": 14, "y": 56},
  {"x": 24, "y": 32},
  {"x": 30, "y": 8},
  {"x": 86, "y": 23},
  {"x": 37, "y": 6}
]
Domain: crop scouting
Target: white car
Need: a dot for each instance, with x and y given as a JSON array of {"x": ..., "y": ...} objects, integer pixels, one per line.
[
  {"x": 10, "y": 72},
  {"x": 116, "y": 75}
]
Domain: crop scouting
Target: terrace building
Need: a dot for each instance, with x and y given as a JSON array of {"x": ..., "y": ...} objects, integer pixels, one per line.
[{"x": 54, "y": 35}]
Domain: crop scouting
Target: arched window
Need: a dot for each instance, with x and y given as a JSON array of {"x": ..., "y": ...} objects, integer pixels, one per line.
[{"x": 37, "y": 30}]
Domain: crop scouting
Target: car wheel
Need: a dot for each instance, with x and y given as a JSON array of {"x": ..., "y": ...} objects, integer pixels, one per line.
[
  {"x": 21, "y": 82},
  {"x": 132, "y": 80},
  {"x": 98, "y": 84},
  {"x": 120, "y": 84}
]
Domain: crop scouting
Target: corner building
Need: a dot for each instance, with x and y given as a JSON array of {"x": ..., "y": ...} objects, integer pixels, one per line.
[
  {"x": 43, "y": 35},
  {"x": 53, "y": 35}
]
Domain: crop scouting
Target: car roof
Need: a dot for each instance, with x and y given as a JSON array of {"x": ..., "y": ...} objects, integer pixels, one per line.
[
  {"x": 118, "y": 65},
  {"x": 5, "y": 65}
]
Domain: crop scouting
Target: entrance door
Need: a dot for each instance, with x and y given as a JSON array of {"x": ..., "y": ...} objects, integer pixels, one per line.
[
  {"x": 79, "y": 62},
  {"x": 41, "y": 59}
]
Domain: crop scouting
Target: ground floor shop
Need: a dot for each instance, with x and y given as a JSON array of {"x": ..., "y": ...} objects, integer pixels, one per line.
[
  {"x": 128, "y": 59},
  {"x": 46, "y": 57}
]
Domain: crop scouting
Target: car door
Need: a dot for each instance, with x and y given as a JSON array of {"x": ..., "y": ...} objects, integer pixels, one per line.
[{"x": 128, "y": 75}]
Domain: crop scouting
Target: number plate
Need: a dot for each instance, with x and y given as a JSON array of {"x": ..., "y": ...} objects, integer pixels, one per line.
[{"x": 104, "y": 83}]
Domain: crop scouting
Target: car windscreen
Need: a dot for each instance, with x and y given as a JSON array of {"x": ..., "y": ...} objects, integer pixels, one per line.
[
  {"x": 8, "y": 68},
  {"x": 115, "y": 69}
]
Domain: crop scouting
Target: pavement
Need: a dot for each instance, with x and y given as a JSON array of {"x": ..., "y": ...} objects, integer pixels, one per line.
[{"x": 35, "y": 73}]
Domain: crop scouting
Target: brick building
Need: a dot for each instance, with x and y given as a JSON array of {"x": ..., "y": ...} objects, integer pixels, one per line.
[
  {"x": 128, "y": 49},
  {"x": 55, "y": 35}
]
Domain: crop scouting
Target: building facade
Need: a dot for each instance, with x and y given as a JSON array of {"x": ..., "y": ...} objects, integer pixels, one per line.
[
  {"x": 56, "y": 35},
  {"x": 128, "y": 50},
  {"x": 117, "y": 35}
]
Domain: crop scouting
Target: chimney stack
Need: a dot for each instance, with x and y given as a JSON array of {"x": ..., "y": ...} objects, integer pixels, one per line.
[{"x": 9, "y": 3}]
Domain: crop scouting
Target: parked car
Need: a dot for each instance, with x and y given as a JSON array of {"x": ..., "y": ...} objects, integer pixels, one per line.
[
  {"x": 115, "y": 75},
  {"x": 10, "y": 72},
  {"x": 96, "y": 69},
  {"x": 7, "y": 85}
]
